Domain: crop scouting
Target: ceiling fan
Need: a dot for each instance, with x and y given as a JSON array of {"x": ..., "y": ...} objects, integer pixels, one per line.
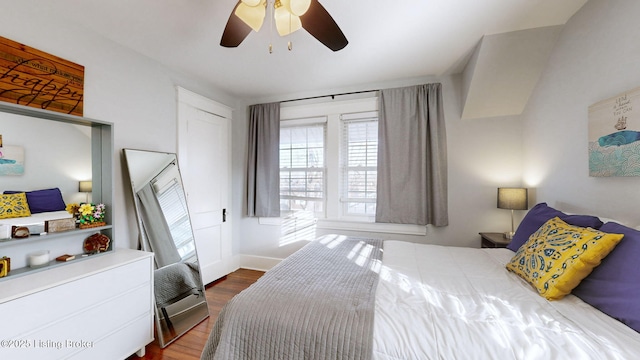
[{"x": 288, "y": 16}]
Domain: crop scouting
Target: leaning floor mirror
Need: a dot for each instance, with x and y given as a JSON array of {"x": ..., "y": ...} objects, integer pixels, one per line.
[{"x": 165, "y": 229}]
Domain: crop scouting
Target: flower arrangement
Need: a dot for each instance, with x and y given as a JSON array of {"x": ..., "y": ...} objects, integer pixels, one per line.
[{"x": 88, "y": 215}]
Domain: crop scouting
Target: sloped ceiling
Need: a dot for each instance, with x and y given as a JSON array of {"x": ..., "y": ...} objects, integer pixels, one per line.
[{"x": 503, "y": 71}]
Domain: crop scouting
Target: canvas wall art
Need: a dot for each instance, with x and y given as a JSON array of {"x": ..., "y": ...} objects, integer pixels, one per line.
[
  {"x": 614, "y": 135},
  {"x": 11, "y": 160}
]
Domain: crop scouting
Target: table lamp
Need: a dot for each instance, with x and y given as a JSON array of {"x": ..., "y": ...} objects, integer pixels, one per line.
[
  {"x": 85, "y": 187},
  {"x": 512, "y": 199}
]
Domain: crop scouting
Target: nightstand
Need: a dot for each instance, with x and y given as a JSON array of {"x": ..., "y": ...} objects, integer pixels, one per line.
[{"x": 494, "y": 240}]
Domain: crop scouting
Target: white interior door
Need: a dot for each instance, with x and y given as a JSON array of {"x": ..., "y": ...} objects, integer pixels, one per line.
[{"x": 204, "y": 157}]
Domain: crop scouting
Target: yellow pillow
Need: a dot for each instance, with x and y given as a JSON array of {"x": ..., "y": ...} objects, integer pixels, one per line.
[
  {"x": 14, "y": 205},
  {"x": 558, "y": 256}
]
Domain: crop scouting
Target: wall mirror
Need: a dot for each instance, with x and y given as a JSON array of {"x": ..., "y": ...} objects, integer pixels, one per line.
[
  {"x": 46, "y": 147},
  {"x": 165, "y": 229}
]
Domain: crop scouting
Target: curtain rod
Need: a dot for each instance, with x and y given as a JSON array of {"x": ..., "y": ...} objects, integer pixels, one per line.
[{"x": 332, "y": 95}]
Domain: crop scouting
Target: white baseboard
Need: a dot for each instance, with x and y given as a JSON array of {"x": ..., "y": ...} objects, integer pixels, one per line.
[
  {"x": 261, "y": 263},
  {"x": 219, "y": 269}
]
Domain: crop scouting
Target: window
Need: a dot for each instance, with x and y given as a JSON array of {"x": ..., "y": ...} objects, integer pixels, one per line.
[
  {"x": 328, "y": 167},
  {"x": 359, "y": 157},
  {"x": 302, "y": 168},
  {"x": 174, "y": 206},
  {"x": 341, "y": 190}
]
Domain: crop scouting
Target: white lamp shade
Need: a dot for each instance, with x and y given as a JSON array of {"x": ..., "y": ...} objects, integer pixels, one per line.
[
  {"x": 252, "y": 15},
  {"x": 286, "y": 23},
  {"x": 296, "y": 7}
]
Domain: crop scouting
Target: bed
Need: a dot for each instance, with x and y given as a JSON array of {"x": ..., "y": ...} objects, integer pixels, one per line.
[
  {"x": 30, "y": 209},
  {"x": 431, "y": 302}
]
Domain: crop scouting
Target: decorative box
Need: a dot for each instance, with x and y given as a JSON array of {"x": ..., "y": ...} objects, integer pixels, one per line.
[{"x": 58, "y": 225}]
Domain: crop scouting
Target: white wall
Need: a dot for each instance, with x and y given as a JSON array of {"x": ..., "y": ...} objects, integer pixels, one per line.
[
  {"x": 596, "y": 57},
  {"x": 133, "y": 92},
  {"x": 483, "y": 154}
]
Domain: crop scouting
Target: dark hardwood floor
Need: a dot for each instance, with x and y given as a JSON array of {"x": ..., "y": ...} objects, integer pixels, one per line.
[{"x": 189, "y": 346}]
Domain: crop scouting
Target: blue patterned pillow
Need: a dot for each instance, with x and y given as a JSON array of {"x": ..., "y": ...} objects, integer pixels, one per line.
[
  {"x": 558, "y": 256},
  {"x": 13, "y": 206}
]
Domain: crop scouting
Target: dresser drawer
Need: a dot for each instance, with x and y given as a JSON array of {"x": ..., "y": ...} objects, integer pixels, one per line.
[
  {"x": 43, "y": 308},
  {"x": 85, "y": 329},
  {"x": 121, "y": 344}
]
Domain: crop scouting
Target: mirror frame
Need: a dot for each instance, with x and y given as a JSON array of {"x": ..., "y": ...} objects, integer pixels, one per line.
[{"x": 165, "y": 333}]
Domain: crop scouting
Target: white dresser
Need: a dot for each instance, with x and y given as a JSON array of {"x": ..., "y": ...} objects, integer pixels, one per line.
[{"x": 97, "y": 308}]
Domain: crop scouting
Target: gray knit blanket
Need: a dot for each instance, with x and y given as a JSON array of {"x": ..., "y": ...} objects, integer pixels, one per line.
[
  {"x": 174, "y": 282},
  {"x": 316, "y": 304}
]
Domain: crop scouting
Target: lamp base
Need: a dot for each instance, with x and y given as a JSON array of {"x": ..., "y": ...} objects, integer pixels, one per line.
[{"x": 509, "y": 234}]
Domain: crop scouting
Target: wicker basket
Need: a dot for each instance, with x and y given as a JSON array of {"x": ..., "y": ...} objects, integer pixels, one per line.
[{"x": 92, "y": 225}]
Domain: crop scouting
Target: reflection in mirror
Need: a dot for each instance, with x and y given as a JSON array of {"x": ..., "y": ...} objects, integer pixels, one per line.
[
  {"x": 47, "y": 147},
  {"x": 165, "y": 229}
]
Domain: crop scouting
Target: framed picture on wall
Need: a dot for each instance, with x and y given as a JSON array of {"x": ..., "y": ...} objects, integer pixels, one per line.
[
  {"x": 11, "y": 160},
  {"x": 614, "y": 135}
]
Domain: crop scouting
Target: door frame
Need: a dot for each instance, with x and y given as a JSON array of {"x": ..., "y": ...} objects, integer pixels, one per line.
[{"x": 187, "y": 99}]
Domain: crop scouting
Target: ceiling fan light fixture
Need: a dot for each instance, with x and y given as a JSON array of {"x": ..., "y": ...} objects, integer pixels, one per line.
[
  {"x": 252, "y": 15},
  {"x": 286, "y": 23},
  {"x": 289, "y": 16},
  {"x": 297, "y": 7},
  {"x": 251, "y": 2}
]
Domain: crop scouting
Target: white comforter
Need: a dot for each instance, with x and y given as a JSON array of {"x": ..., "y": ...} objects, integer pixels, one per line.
[{"x": 436, "y": 302}]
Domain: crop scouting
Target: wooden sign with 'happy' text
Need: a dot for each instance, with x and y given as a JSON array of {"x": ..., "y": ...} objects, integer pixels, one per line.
[{"x": 34, "y": 78}]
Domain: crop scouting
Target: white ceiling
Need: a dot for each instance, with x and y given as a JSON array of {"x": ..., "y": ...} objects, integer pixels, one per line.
[{"x": 388, "y": 40}]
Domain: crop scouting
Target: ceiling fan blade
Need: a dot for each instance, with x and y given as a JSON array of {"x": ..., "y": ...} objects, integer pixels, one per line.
[
  {"x": 319, "y": 23},
  {"x": 235, "y": 31}
]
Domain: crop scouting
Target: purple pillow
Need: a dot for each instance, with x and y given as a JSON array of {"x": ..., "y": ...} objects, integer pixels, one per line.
[
  {"x": 43, "y": 200},
  {"x": 538, "y": 215},
  {"x": 614, "y": 286}
]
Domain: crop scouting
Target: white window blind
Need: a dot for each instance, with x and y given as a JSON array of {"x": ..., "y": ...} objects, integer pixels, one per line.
[
  {"x": 302, "y": 168},
  {"x": 359, "y": 161},
  {"x": 174, "y": 206}
]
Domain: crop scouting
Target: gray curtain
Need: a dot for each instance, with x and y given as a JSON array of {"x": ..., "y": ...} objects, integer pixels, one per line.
[
  {"x": 157, "y": 235},
  {"x": 412, "y": 157},
  {"x": 263, "y": 161}
]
